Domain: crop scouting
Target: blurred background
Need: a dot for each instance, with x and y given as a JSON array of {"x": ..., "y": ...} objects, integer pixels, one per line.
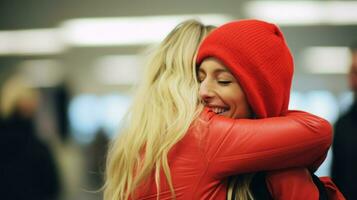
[{"x": 68, "y": 71}]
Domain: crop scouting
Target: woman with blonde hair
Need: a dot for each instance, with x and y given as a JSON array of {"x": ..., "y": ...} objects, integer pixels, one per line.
[{"x": 173, "y": 148}]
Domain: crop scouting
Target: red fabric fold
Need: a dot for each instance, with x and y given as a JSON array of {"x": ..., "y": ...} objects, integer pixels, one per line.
[{"x": 332, "y": 191}]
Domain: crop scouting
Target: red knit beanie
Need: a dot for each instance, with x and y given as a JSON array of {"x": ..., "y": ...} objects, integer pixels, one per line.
[{"x": 257, "y": 55}]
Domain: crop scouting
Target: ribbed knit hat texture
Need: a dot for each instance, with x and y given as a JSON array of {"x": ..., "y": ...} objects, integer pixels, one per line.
[{"x": 257, "y": 55}]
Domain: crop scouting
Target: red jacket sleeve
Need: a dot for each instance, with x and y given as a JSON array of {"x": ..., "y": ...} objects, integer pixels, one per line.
[
  {"x": 236, "y": 146},
  {"x": 294, "y": 183},
  {"x": 332, "y": 191}
]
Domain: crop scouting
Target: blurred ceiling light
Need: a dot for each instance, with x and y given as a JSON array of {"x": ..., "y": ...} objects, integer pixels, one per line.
[
  {"x": 118, "y": 69},
  {"x": 127, "y": 30},
  {"x": 326, "y": 60},
  {"x": 42, "y": 73},
  {"x": 30, "y": 42},
  {"x": 96, "y": 32},
  {"x": 304, "y": 12}
]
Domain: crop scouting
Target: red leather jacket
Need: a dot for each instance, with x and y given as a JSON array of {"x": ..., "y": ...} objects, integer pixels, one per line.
[
  {"x": 296, "y": 184},
  {"x": 216, "y": 147}
]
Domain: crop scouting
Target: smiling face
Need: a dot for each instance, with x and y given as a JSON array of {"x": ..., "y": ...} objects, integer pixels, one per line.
[{"x": 220, "y": 91}]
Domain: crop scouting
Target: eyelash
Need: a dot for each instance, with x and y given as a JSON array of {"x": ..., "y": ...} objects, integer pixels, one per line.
[{"x": 224, "y": 82}]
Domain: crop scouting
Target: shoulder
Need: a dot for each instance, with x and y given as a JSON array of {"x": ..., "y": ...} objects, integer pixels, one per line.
[{"x": 213, "y": 123}]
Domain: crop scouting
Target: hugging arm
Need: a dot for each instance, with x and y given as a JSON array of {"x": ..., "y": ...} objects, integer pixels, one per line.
[{"x": 237, "y": 146}]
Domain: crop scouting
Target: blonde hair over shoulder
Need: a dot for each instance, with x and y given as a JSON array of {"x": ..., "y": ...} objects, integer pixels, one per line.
[{"x": 165, "y": 105}]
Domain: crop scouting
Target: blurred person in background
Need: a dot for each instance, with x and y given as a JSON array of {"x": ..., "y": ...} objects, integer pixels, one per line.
[
  {"x": 96, "y": 162},
  {"x": 344, "y": 163},
  {"x": 54, "y": 123},
  {"x": 159, "y": 125},
  {"x": 28, "y": 169}
]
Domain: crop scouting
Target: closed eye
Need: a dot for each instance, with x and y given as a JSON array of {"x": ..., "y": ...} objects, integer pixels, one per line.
[{"x": 224, "y": 82}]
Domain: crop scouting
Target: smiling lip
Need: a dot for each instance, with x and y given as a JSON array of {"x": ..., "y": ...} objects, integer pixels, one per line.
[{"x": 218, "y": 109}]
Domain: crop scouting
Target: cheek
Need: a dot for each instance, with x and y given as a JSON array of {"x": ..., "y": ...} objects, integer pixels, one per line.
[{"x": 242, "y": 107}]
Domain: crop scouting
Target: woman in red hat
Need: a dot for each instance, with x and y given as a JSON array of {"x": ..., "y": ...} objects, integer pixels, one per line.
[
  {"x": 172, "y": 147},
  {"x": 245, "y": 71}
]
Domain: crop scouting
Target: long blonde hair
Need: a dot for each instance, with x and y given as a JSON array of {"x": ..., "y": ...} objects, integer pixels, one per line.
[
  {"x": 166, "y": 103},
  {"x": 164, "y": 107}
]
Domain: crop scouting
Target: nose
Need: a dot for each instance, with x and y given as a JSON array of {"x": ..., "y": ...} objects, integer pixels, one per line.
[{"x": 206, "y": 91}]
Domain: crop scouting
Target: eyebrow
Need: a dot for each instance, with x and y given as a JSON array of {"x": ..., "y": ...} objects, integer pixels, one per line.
[{"x": 215, "y": 71}]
